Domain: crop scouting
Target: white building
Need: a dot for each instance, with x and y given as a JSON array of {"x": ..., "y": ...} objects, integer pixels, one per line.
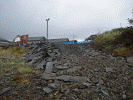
[{"x": 17, "y": 38}]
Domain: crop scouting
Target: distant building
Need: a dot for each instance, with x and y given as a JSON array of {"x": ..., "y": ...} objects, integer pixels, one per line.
[
  {"x": 34, "y": 39},
  {"x": 58, "y": 40},
  {"x": 30, "y": 39},
  {"x": 73, "y": 41},
  {"x": 3, "y": 40},
  {"x": 17, "y": 38}
]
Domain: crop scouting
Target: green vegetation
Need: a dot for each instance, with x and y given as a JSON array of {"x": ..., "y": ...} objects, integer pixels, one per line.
[
  {"x": 120, "y": 39},
  {"x": 15, "y": 50},
  {"x": 7, "y": 64},
  {"x": 107, "y": 37},
  {"x": 23, "y": 70},
  {"x": 92, "y": 37},
  {"x": 123, "y": 51},
  {"x": 15, "y": 60}
]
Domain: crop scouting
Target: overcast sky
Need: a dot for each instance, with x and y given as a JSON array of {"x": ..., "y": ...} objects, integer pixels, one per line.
[{"x": 81, "y": 18}]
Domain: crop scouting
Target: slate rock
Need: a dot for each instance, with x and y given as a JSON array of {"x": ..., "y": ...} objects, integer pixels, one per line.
[
  {"x": 53, "y": 75},
  {"x": 109, "y": 69},
  {"x": 28, "y": 60},
  {"x": 49, "y": 59},
  {"x": 41, "y": 65},
  {"x": 53, "y": 85},
  {"x": 47, "y": 76},
  {"x": 130, "y": 59},
  {"x": 5, "y": 90},
  {"x": 61, "y": 68},
  {"x": 105, "y": 93},
  {"x": 94, "y": 80},
  {"x": 89, "y": 85},
  {"x": 73, "y": 69},
  {"x": 72, "y": 78},
  {"x": 47, "y": 89},
  {"x": 49, "y": 67}
]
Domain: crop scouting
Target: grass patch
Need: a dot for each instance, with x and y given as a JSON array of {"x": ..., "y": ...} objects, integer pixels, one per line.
[
  {"x": 15, "y": 60},
  {"x": 6, "y": 64},
  {"x": 123, "y": 51},
  {"x": 106, "y": 38},
  {"x": 16, "y": 67},
  {"x": 16, "y": 50},
  {"x": 23, "y": 70}
]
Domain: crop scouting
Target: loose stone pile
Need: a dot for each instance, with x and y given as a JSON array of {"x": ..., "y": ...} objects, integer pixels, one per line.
[{"x": 70, "y": 72}]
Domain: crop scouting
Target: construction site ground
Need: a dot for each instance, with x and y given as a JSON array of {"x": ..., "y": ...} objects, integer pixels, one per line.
[{"x": 79, "y": 73}]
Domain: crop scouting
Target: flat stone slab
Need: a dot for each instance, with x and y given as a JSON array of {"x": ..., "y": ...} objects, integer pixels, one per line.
[
  {"x": 74, "y": 69},
  {"x": 53, "y": 85},
  {"x": 40, "y": 65},
  {"x": 49, "y": 67},
  {"x": 72, "y": 78},
  {"x": 61, "y": 68},
  {"x": 47, "y": 90},
  {"x": 47, "y": 76},
  {"x": 109, "y": 69},
  {"x": 70, "y": 70},
  {"x": 89, "y": 85},
  {"x": 66, "y": 78}
]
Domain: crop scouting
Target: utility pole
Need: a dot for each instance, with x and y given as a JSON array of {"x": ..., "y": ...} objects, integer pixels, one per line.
[
  {"x": 73, "y": 38},
  {"x": 47, "y": 27},
  {"x": 120, "y": 25}
]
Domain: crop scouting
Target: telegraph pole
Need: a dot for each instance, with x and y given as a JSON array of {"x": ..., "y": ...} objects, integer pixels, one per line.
[
  {"x": 120, "y": 25},
  {"x": 47, "y": 27}
]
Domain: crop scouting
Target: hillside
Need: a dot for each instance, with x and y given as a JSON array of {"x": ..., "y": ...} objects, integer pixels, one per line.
[{"x": 118, "y": 41}]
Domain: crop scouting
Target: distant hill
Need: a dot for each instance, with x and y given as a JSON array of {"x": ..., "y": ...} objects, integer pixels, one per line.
[{"x": 3, "y": 40}]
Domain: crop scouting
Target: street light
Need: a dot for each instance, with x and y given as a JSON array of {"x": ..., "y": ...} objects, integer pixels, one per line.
[{"x": 47, "y": 27}]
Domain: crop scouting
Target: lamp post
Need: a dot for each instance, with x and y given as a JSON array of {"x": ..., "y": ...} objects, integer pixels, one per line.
[{"x": 47, "y": 27}]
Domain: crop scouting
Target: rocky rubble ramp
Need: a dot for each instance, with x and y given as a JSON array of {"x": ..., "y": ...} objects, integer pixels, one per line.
[{"x": 70, "y": 72}]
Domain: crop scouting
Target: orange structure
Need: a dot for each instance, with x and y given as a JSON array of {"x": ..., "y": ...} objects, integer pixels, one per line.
[{"x": 24, "y": 36}]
